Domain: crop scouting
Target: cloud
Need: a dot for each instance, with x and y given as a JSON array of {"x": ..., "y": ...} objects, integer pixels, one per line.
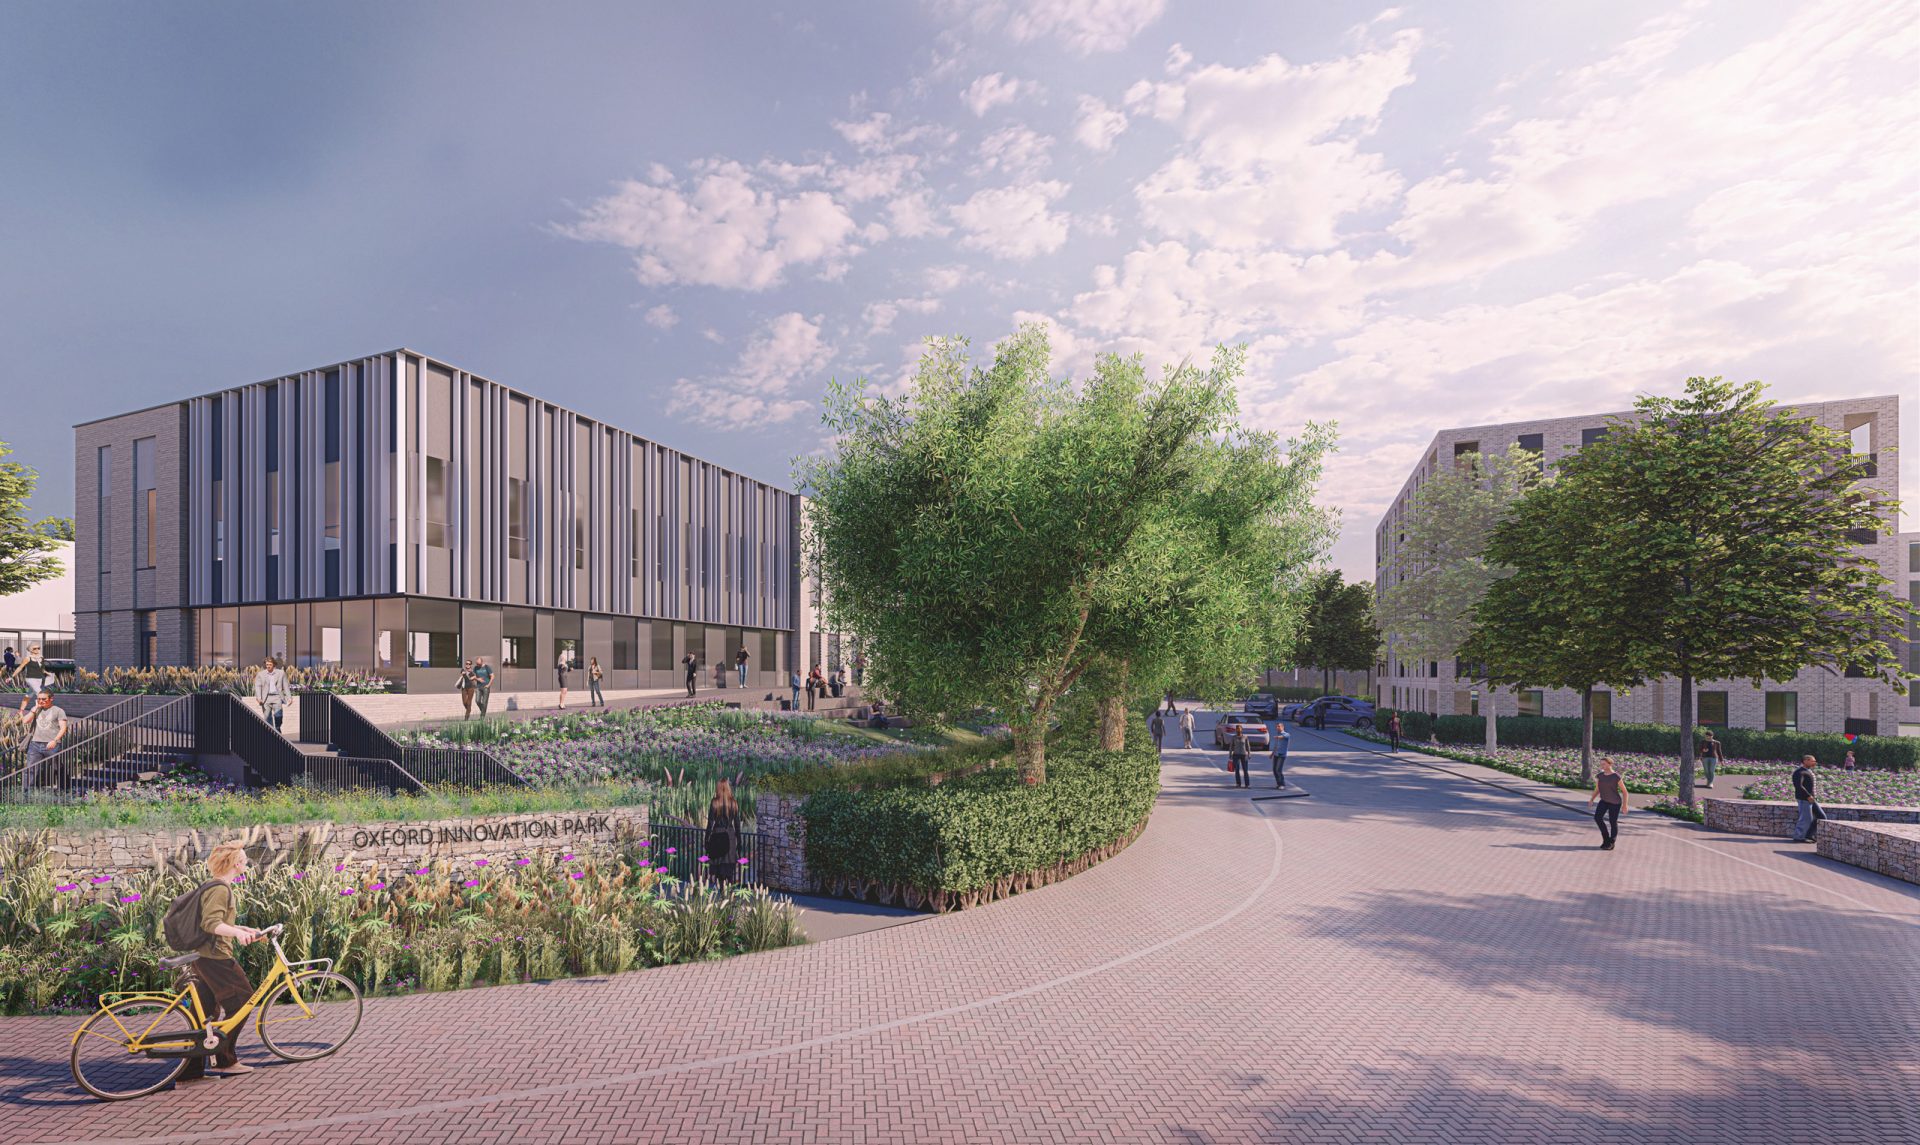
[
  {"x": 759, "y": 389},
  {"x": 1080, "y": 26},
  {"x": 723, "y": 228},
  {"x": 879, "y": 316},
  {"x": 1014, "y": 222},
  {"x": 915, "y": 215},
  {"x": 1098, "y": 125},
  {"x": 1017, "y": 151},
  {"x": 991, "y": 91},
  {"x": 662, "y": 317},
  {"x": 1178, "y": 58}
]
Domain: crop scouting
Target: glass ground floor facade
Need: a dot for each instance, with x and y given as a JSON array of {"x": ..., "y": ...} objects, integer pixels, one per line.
[{"x": 418, "y": 643}]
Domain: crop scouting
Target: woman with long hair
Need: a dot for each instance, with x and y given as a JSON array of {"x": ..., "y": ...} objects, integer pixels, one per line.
[
  {"x": 723, "y": 833},
  {"x": 593, "y": 683}
]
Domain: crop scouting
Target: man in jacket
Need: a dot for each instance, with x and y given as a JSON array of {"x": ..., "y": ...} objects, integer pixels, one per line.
[
  {"x": 1237, "y": 759},
  {"x": 270, "y": 692},
  {"x": 1278, "y": 749},
  {"x": 1186, "y": 725},
  {"x": 1810, "y": 812}
]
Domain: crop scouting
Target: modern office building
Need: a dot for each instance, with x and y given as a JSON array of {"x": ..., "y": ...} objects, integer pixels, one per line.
[
  {"x": 1816, "y": 700},
  {"x": 395, "y": 514}
]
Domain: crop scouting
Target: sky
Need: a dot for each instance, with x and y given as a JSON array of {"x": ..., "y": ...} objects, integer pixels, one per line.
[{"x": 687, "y": 219}]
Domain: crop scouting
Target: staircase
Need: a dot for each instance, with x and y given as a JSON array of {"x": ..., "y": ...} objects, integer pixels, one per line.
[{"x": 136, "y": 766}]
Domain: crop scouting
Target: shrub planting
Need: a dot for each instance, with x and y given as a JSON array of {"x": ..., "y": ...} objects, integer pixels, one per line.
[
  {"x": 1660, "y": 739},
  {"x": 171, "y": 681}
]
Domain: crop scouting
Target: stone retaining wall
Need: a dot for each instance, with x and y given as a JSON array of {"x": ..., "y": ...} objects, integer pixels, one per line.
[
  {"x": 783, "y": 843},
  {"x": 1892, "y": 849},
  {"x": 1776, "y": 817},
  {"x": 375, "y": 845}
]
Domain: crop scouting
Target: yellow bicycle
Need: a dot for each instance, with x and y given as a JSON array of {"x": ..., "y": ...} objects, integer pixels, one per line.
[{"x": 139, "y": 1041}]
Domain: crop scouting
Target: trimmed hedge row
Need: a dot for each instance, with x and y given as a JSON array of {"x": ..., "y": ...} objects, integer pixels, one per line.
[
  {"x": 1664, "y": 739},
  {"x": 981, "y": 836}
]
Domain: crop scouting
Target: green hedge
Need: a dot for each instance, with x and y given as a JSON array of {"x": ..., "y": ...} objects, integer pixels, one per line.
[
  {"x": 969, "y": 834},
  {"x": 1662, "y": 739}
]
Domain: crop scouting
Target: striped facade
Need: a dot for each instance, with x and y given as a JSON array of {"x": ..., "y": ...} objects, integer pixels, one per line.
[{"x": 400, "y": 476}]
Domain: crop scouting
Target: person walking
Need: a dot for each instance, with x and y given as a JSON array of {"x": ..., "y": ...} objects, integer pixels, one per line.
[
  {"x": 466, "y": 686},
  {"x": 1158, "y": 727},
  {"x": 32, "y": 673},
  {"x": 723, "y": 833},
  {"x": 1186, "y": 725},
  {"x": 1278, "y": 749},
  {"x": 270, "y": 692},
  {"x": 8, "y": 662},
  {"x": 813, "y": 686},
  {"x": 217, "y": 979},
  {"x": 47, "y": 726},
  {"x": 740, "y": 664},
  {"x": 482, "y": 684},
  {"x": 859, "y": 670},
  {"x": 692, "y": 665},
  {"x": 1393, "y": 730},
  {"x": 1811, "y": 813},
  {"x": 1170, "y": 703},
  {"x": 560, "y": 667},
  {"x": 1237, "y": 759},
  {"x": 595, "y": 699},
  {"x": 1850, "y": 763},
  {"x": 1710, "y": 757},
  {"x": 1610, "y": 795}
]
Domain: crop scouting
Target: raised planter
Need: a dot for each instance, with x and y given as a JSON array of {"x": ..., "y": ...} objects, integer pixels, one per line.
[
  {"x": 1891, "y": 849},
  {"x": 1777, "y": 817}
]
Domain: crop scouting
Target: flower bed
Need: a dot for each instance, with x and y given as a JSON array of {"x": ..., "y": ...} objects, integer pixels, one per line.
[
  {"x": 239, "y": 681},
  {"x": 1654, "y": 739},
  {"x": 1836, "y": 785},
  {"x": 439, "y": 927},
  {"x": 1645, "y": 774}
]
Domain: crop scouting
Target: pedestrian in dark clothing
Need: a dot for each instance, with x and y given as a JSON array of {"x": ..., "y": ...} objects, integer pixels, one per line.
[
  {"x": 466, "y": 686},
  {"x": 594, "y": 675},
  {"x": 560, "y": 668},
  {"x": 1170, "y": 704},
  {"x": 1811, "y": 813},
  {"x": 816, "y": 686},
  {"x": 1278, "y": 750},
  {"x": 1608, "y": 799},
  {"x": 720, "y": 677},
  {"x": 1393, "y": 730},
  {"x": 1158, "y": 727},
  {"x": 723, "y": 834},
  {"x": 1710, "y": 757},
  {"x": 482, "y": 684},
  {"x": 692, "y": 663},
  {"x": 793, "y": 680},
  {"x": 8, "y": 662},
  {"x": 1237, "y": 759},
  {"x": 740, "y": 664}
]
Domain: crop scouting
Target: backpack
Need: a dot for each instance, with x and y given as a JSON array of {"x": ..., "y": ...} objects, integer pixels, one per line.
[{"x": 181, "y": 926}]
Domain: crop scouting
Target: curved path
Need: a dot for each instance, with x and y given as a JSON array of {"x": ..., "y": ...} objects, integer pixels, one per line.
[{"x": 1408, "y": 954}]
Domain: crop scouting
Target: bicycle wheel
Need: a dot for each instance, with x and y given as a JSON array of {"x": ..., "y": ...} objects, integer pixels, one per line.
[
  {"x": 311, "y": 1016},
  {"x": 106, "y": 1068}
]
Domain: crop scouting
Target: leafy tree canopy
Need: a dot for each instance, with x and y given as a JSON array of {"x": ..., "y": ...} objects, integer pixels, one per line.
[{"x": 26, "y": 548}]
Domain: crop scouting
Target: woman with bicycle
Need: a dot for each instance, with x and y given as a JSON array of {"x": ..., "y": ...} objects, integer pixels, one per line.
[{"x": 217, "y": 978}]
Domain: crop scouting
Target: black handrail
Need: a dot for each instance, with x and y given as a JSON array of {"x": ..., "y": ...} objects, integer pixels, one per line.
[
  {"x": 168, "y": 728},
  {"x": 279, "y": 763},
  {"x": 354, "y": 734},
  {"x": 689, "y": 843}
]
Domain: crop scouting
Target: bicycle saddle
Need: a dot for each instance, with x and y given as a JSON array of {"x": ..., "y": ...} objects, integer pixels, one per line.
[{"x": 179, "y": 962}]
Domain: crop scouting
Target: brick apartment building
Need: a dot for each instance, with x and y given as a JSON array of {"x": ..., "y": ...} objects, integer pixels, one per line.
[{"x": 1815, "y": 700}]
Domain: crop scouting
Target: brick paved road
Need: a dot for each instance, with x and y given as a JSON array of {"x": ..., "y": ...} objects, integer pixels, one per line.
[{"x": 1406, "y": 956}]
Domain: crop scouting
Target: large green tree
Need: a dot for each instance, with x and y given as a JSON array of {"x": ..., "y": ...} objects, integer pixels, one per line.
[
  {"x": 973, "y": 528},
  {"x": 1724, "y": 530},
  {"x": 26, "y": 547},
  {"x": 1340, "y": 633},
  {"x": 1438, "y": 574},
  {"x": 1554, "y": 621}
]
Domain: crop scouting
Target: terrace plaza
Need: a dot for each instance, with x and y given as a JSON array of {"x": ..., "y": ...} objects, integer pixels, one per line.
[{"x": 1421, "y": 951}]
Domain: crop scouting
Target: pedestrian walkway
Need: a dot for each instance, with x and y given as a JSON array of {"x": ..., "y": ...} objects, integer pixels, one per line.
[{"x": 1407, "y": 955}]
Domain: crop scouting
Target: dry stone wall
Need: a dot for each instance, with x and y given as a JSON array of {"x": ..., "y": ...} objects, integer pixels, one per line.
[
  {"x": 1892, "y": 849},
  {"x": 1776, "y": 817},
  {"x": 372, "y": 845}
]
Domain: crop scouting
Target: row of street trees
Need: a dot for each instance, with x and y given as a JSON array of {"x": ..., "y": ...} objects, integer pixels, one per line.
[
  {"x": 1709, "y": 538},
  {"x": 1001, "y": 537},
  {"x": 1338, "y": 632}
]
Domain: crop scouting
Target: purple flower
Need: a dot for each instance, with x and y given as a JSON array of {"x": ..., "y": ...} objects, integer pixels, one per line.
[
  {"x": 673, "y": 850},
  {"x": 63, "y": 888},
  {"x": 645, "y": 843},
  {"x": 129, "y": 898},
  {"x": 240, "y": 878},
  {"x": 338, "y": 867},
  {"x": 424, "y": 871},
  {"x": 578, "y": 875},
  {"x": 743, "y": 862},
  {"x": 299, "y": 874},
  {"x": 521, "y": 862},
  {"x": 479, "y": 862},
  {"x": 98, "y": 879},
  {"x": 569, "y": 858},
  {"x": 347, "y": 891},
  {"x": 378, "y": 887},
  {"x": 471, "y": 883},
  {"x": 704, "y": 859}
]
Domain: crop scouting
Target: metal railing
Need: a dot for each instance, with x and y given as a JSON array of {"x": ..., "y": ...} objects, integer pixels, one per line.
[
  {"x": 680, "y": 846},
  {"x": 356, "y": 735},
  {"x": 109, "y": 756},
  {"x": 277, "y": 762}
]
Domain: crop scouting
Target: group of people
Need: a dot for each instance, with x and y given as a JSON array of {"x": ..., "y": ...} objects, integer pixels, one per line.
[
  {"x": 47, "y": 720},
  {"x": 816, "y": 684},
  {"x": 1239, "y": 751}
]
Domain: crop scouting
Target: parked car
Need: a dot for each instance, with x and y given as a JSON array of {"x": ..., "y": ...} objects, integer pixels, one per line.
[
  {"x": 1262, "y": 704},
  {"x": 1250, "y": 725},
  {"x": 1293, "y": 712},
  {"x": 1338, "y": 712}
]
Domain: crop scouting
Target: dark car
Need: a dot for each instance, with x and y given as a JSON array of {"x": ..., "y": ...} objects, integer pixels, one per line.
[
  {"x": 1339, "y": 712},
  {"x": 1262, "y": 704}
]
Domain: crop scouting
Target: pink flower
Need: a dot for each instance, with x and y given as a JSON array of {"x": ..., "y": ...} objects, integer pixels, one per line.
[
  {"x": 569, "y": 858},
  {"x": 378, "y": 887},
  {"x": 644, "y": 843},
  {"x": 521, "y": 862},
  {"x": 479, "y": 862},
  {"x": 347, "y": 891},
  {"x": 424, "y": 871},
  {"x": 338, "y": 867},
  {"x": 98, "y": 879},
  {"x": 63, "y": 888},
  {"x": 129, "y": 898},
  {"x": 578, "y": 875},
  {"x": 704, "y": 859},
  {"x": 673, "y": 850},
  {"x": 299, "y": 874},
  {"x": 743, "y": 862},
  {"x": 240, "y": 878},
  {"x": 471, "y": 883}
]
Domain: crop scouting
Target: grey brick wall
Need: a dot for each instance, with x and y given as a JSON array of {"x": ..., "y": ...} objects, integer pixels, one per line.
[{"x": 106, "y": 631}]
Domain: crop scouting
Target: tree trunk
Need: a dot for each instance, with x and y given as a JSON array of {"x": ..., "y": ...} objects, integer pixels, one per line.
[
  {"x": 1686, "y": 736},
  {"x": 1113, "y": 714},
  {"x": 1586, "y": 737},
  {"x": 1030, "y": 753},
  {"x": 1326, "y": 682},
  {"x": 1493, "y": 720}
]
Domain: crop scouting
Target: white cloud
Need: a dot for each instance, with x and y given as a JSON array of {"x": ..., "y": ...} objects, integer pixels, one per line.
[
  {"x": 662, "y": 317},
  {"x": 714, "y": 336},
  {"x": 914, "y": 216},
  {"x": 1080, "y": 26},
  {"x": 1014, "y": 222},
  {"x": 1017, "y": 151},
  {"x": 723, "y": 228},
  {"x": 946, "y": 278},
  {"x": 879, "y": 316},
  {"x": 1098, "y": 124},
  {"x": 991, "y": 91},
  {"x": 1178, "y": 58},
  {"x": 759, "y": 389}
]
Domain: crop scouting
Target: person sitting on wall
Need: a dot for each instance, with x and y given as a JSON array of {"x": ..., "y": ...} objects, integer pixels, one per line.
[{"x": 878, "y": 719}]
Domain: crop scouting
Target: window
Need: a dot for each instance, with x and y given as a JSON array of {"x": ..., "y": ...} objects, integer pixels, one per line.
[
  {"x": 633, "y": 544},
  {"x": 624, "y": 648},
  {"x": 516, "y": 519},
  {"x": 146, "y": 505},
  {"x": 1534, "y": 442},
  {"x": 105, "y": 516},
  {"x": 1460, "y": 452},
  {"x": 1913, "y": 556},
  {"x": 1533, "y": 702},
  {"x": 662, "y": 642},
  {"x": 433, "y": 633},
  {"x": 1783, "y": 711},
  {"x": 1589, "y": 436},
  {"x": 579, "y": 542},
  {"x": 1710, "y": 709},
  {"x": 1602, "y": 707},
  {"x": 1433, "y": 669},
  {"x": 1863, "y": 536},
  {"x": 436, "y": 503},
  {"x": 516, "y": 638},
  {"x": 149, "y": 639}
]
